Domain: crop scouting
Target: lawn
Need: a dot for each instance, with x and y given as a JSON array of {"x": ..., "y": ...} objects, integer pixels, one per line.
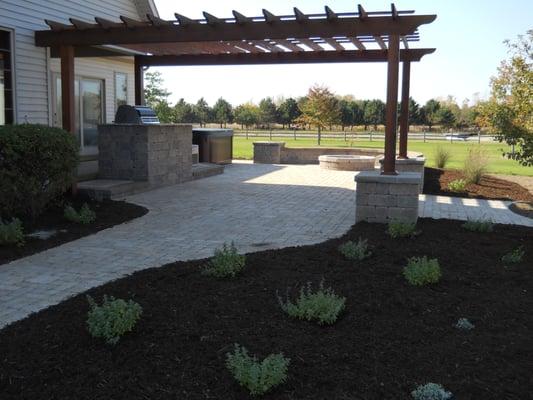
[
  {"x": 389, "y": 337},
  {"x": 243, "y": 148}
]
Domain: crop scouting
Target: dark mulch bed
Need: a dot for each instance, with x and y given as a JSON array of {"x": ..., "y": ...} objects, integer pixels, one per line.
[
  {"x": 436, "y": 182},
  {"x": 108, "y": 214},
  {"x": 391, "y": 337}
]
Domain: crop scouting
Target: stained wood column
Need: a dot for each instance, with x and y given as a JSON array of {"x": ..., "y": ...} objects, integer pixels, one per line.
[
  {"x": 404, "y": 111},
  {"x": 139, "y": 81},
  {"x": 393, "y": 58},
  {"x": 66, "y": 53}
]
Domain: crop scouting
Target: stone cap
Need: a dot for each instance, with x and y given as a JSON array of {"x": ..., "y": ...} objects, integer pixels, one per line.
[
  {"x": 408, "y": 161},
  {"x": 264, "y": 143},
  {"x": 376, "y": 177},
  {"x": 345, "y": 157}
]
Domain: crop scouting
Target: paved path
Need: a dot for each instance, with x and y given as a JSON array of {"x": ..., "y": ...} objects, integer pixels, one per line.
[{"x": 256, "y": 206}]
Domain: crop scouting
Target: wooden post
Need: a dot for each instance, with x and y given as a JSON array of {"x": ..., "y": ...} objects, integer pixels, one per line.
[
  {"x": 66, "y": 53},
  {"x": 393, "y": 57},
  {"x": 139, "y": 82},
  {"x": 404, "y": 112}
]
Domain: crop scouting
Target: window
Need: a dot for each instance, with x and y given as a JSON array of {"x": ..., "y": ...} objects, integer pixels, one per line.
[
  {"x": 6, "y": 80},
  {"x": 121, "y": 89}
]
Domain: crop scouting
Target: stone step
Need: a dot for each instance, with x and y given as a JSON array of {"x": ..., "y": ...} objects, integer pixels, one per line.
[
  {"x": 204, "y": 170},
  {"x": 102, "y": 189}
]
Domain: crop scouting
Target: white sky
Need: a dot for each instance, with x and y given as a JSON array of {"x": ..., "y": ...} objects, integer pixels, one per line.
[{"x": 468, "y": 35}]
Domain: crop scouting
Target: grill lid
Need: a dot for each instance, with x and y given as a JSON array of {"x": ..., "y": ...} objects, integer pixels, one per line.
[{"x": 135, "y": 115}]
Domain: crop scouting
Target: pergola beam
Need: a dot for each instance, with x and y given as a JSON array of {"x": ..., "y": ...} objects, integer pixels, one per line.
[
  {"x": 391, "y": 112},
  {"x": 404, "y": 109}
]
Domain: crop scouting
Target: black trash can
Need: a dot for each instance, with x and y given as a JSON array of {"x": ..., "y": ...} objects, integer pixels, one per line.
[{"x": 214, "y": 145}]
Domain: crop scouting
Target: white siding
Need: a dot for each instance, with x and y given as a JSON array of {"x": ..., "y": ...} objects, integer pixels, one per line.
[{"x": 32, "y": 65}]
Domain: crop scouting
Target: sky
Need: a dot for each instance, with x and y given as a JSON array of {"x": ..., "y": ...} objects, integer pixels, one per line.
[{"x": 468, "y": 36}]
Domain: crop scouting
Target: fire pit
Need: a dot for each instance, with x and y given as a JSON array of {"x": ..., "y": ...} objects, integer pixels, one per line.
[{"x": 347, "y": 162}]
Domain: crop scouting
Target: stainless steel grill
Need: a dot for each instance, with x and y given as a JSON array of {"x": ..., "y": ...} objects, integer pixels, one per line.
[{"x": 141, "y": 115}]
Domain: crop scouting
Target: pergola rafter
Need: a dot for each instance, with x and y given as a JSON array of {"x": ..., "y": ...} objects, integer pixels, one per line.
[{"x": 329, "y": 37}]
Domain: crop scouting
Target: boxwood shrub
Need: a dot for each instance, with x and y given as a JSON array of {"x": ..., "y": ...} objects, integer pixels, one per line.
[{"x": 37, "y": 165}]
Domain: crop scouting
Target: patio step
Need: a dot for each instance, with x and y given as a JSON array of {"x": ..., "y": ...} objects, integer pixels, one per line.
[
  {"x": 204, "y": 170},
  {"x": 103, "y": 189}
]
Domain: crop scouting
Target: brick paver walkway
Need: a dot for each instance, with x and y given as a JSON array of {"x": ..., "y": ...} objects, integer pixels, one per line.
[{"x": 256, "y": 206}]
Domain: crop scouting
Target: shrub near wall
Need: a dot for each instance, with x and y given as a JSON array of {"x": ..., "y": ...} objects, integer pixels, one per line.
[{"x": 37, "y": 165}]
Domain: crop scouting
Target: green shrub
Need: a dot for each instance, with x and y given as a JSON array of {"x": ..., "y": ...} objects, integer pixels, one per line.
[
  {"x": 355, "y": 251},
  {"x": 478, "y": 225},
  {"x": 464, "y": 324},
  {"x": 475, "y": 166},
  {"x": 422, "y": 271},
  {"x": 431, "y": 391},
  {"x": 458, "y": 185},
  {"x": 226, "y": 263},
  {"x": 113, "y": 318},
  {"x": 514, "y": 256},
  {"x": 11, "y": 233},
  {"x": 37, "y": 165},
  {"x": 442, "y": 156},
  {"x": 323, "y": 306},
  {"x": 398, "y": 229},
  {"x": 257, "y": 377},
  {"x": 85, "y": 216}
]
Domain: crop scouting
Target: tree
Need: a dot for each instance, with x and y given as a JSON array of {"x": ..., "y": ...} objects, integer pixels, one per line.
[
  {"x": 430, "y": 113},
  {"x": 183, "y": 112},
  {"x": 346, "y": 113},
  {"x": 509, "y": 112},
  {"x": 268, "y": 111},
  {"x": 247, "y": 114},
  {"x": 358, "y": 112},
  {"x": 222, "y": 112},
  {"x": 374, "y": 113},
  {"x": 287, "y": 112},
  {"x": 202, "y": 112},
  {"x": 154, "y": 91},
  {"x": 164, "y": 112},
  {"x": 320, "y": 109},
  {"x": 445, "y": 117}
]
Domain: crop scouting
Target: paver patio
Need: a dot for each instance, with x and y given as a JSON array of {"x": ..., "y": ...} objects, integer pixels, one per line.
[{"x": 256, "y": 206}]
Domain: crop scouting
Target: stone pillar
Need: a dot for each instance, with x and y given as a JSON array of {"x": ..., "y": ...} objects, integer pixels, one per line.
[
  {"x": 410, "y": 165},
  {"x": 268, "y": 152},
  {"x": 385, "y": 198}
]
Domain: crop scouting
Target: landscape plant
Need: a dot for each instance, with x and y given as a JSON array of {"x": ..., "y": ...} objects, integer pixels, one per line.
[
  {"x": 322, "y": 305},
  {"x": 85, "y": 216},
  {"x": 479, "y": 225},
  {"x": 475, "y": 166},
  {"x": 398, "y": 229},
  {"x": 442, "y": 156},
  {"x": 11, "y": 233},
  {"x": 464, "y": 324},
  {"x": 431, "y": 391},
  {"x": 257, "y": 377},
  {"x": 514, "y": 256},
  {"x": 457, "y": 185},
  {"x": 356, "y": 251},
  {"x": 422, "y": 271},
  {"x": 111, "y": 320},
  {"x": 226, "y": 262}
]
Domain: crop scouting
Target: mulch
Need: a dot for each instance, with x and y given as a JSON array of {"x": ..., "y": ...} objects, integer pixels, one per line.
[
  {"x": 108, "y": 214},
  {"x": 391, "y": 337},
  {"x": 436, "y": 182}
]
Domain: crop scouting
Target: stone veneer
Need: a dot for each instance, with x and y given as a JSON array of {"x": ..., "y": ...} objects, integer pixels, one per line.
[
  {"x": 415, "y": 164},
  {"x": 157, "y": 154},
  {"x": 385, "y": 198}
]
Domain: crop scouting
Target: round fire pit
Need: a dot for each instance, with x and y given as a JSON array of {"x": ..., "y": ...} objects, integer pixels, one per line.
[{"x": 347, "y": 162}]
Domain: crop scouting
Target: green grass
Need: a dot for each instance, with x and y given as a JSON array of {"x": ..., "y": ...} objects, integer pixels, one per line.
[{"x": 243, "y": 148}]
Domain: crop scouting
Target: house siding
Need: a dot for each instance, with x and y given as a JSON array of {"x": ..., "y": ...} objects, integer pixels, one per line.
[{"x": 33, "y": 66}]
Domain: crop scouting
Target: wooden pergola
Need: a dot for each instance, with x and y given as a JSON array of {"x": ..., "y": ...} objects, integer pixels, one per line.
[{"x": 362, "y": 36}]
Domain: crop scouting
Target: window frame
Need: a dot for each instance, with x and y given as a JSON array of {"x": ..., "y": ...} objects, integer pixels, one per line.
[{"x": 12, "y": 81}]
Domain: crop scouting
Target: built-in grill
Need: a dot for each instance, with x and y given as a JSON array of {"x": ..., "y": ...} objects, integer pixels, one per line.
[{"x": 141, "y": 115}]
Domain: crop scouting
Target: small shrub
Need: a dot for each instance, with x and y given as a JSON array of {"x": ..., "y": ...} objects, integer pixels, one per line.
[
  {"x": 398, "y": 229},
  {"x": 11, "y": 233},
  {"x": 431, "y": 391},
  {"x": 464, "y": 324},
  {"x": 422, "y": 271},
  {"x": 475, "y": 166},
  {"x": 226, "y": 263},
  {"x": 37, "y": 165},
  {"x": 355, "y": 251},
  {"x": 257, "y": 377},
  {"x": 113, "y": 318},
  {"x": 442, "y": 156},
  {"x": 478, "y": 225},
  {"x": 85, "y": 216},
  {"x": 458, "y": 185},
  {"x": 323, "y": 306},
  {"x": 514, "y": 256}
]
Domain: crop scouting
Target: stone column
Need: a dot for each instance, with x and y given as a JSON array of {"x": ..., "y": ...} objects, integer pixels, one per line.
[
  {"x": 268, "y": 152},
  {"x": 410, "y": 165}
]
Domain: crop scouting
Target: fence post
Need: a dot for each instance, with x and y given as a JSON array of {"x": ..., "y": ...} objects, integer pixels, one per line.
[
  {"x": 424, "y": 136},
  {"x": 294, "y": 133}
]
